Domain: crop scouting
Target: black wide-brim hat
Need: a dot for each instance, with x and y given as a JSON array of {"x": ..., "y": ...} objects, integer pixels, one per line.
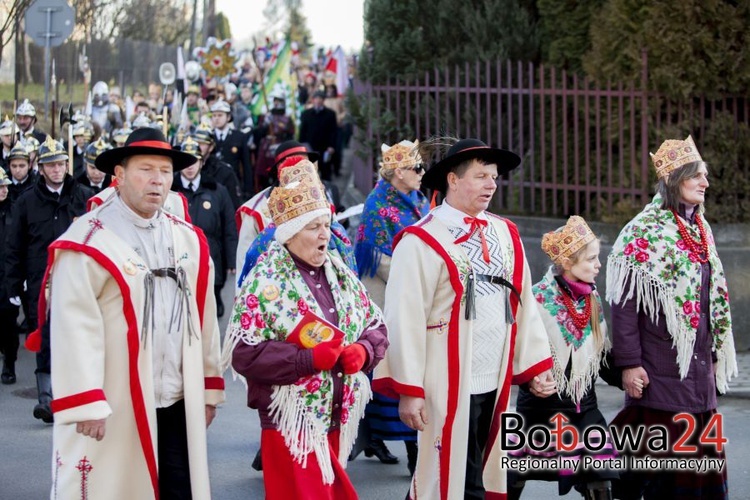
[
  {"x": 290, "y": 148},
  {"x": 143, "y": 141},
  {"x": 468, "y": 149}
]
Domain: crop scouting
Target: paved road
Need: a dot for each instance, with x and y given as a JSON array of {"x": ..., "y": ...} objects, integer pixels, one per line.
[{"x": 25, "y": 448}]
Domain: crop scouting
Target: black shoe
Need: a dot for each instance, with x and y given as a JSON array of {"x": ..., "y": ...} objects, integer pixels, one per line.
[
  {"x": 43, "y": 412},
  {"x": 258, "y": 462},
  {"x": 377, "y": 448},
  {"x": 9, "y": 373},
  {"x": 412, "y": 451}
]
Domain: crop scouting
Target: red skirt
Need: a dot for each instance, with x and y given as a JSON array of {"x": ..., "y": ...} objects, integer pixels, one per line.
[{"x": 285, "y": 478}]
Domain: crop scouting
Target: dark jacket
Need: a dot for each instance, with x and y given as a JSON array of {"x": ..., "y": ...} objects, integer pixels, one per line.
[
  {"x": 211, "y": 210},
  {"x": 234, "y": 151},
  {"x": 224, "y": 175},
  {"x": 4, "y": 223},
  {"x": 83, "y": 180},
  {"x": 15, "y": 190},
  {"x": 38, "y": 218},
  {"x": 318, "y": 129},
  {"x": 39, "y": 135}
]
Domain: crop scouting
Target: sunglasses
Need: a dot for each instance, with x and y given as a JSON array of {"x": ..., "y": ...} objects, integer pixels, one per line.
[{"x": 418, "y": 169}]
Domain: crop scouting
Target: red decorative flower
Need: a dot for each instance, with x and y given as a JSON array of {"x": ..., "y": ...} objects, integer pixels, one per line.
[
  {"x": 687, "y": 307},
  {"x": 259, "y": 321},
  {"x": 302, "y": 306},
  {"x": 344, "y": 415},
  {"x": 252, "y": 302},
  {"x": 697, "y": 306},
  {"x": 383, "y": 212},
  {"x": 681, "y": 245},
  {"x": 695, "y": 321},
  {"x": 313, "y": 385},
  {"x": 246, "y": 321},
  {"x": 394, "y": 219},
  {"x": 693, "y": 257},
  {"x": 641, "y": 257},
  {"x": 642, "y": 243},
  {"x": 629, "y": 248}
]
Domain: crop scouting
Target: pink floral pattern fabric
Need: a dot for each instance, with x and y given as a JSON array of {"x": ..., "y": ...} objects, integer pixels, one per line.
[
  {"x": 273, "y": 300},
  {"x": 650, "y": 259}
]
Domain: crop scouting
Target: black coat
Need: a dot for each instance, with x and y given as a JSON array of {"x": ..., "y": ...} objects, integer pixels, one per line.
[
  {"x": 223, "y": 174},
  {"x": 211, "y": 209},
  {"x": 15, "y": 190},
  {"x": 234, "y": 151},
  {"x": 4, "y": 223},
  {"x": 38, "y": 218},
  {"x": 39, "y": 135},
  {"x": 318, "y": 129},
  {"x": 83, "y": 180}
]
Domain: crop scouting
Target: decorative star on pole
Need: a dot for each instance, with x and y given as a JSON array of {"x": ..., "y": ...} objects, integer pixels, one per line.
[{"x": 217, "y": 58}]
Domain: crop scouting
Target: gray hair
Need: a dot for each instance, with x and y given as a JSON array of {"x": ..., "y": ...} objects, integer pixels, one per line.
[
  {"x": 669, "y": 187},
  {"x": 387, "y": 173}
]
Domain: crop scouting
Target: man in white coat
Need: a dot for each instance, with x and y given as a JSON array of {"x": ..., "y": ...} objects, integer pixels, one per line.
[
  {"x": 134, "y": 339},
  {"x": 463, "y": 327}
]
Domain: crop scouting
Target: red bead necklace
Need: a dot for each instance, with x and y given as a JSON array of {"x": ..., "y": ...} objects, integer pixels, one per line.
[
  {"x": 699, "y": 248},
  {"x": 579, "y": 319}
]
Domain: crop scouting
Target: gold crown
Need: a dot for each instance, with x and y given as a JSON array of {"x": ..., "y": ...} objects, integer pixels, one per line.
[
  {"x": 301, "y": 192},
  {"x": 673, "y": 154},
  {"x": 403, "y": 154},
  {"x": 566, "y": 241}
]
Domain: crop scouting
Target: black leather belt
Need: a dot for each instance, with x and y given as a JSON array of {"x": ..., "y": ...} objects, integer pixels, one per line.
[
  {"x": 499, "y": 280},
  {"x": 165, "y": 272},
  {"x": 471, "y": 312}
]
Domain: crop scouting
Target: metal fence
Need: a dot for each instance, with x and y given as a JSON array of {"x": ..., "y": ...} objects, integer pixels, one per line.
[{"x": 584, "y": 147}]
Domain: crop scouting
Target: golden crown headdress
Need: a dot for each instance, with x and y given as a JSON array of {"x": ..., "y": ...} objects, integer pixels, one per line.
[
  {"x": 403, "y": 154},
  {"x": 567, "y": 240},
  {"x": 673, "y": 154},
  {"x": 301, "y": 192}
]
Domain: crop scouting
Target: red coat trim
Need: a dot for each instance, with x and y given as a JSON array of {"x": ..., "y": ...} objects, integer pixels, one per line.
[
  {"x": 93, "y": 202},
  {"x": 392, "y": 389},
  {"x": 202, "y": 283},
  {"x": 214, "y": 383},
  {"x": 250, "y": 212},
  {"x": 502, "y": 401},
  {"x": 80, "y": 399},
  {"x": 184, "y": 206},
  {"x": 532, "y": 372},
  {"x": 136, "y": 392},
  {"x": 453, "y": 349}
]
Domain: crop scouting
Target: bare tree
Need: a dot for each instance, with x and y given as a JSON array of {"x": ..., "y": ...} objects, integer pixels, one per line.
[{"x": 11, "y": 12}]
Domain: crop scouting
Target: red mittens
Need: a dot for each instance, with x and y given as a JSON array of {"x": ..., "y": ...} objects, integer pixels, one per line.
[
  {"x": 353, "y": 358},
  {"x": 325, "y": 354}
]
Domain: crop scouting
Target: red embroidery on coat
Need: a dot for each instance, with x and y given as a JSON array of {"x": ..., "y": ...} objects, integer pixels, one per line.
[
  {"x": 84, "y": 466},
  {"x": 96, "y": 225},
  {"x": 58, "y": 464}
]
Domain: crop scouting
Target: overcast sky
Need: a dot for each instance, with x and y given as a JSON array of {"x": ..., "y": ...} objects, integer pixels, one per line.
[{"x": 331, "y": 22}]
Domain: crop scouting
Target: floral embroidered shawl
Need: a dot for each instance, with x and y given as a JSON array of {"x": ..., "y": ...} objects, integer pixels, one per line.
[
  {"x": 271, "y": 302},
  {"x": 567, "y": 342},
  {"x": 339, "y": 242},
  {"x": 650, "y": 261},
  {"x": 386, "y": 212}
]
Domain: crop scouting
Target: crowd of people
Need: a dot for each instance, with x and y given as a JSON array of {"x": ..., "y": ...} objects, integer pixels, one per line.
[{"x": 118, "y": 245}]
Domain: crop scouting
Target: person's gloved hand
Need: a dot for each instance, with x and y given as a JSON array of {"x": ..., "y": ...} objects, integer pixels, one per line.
[
  {"x": 353, "y": 358},
  {"x": 16, "y": 301},
  {"x": 325, "y": 354}
]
